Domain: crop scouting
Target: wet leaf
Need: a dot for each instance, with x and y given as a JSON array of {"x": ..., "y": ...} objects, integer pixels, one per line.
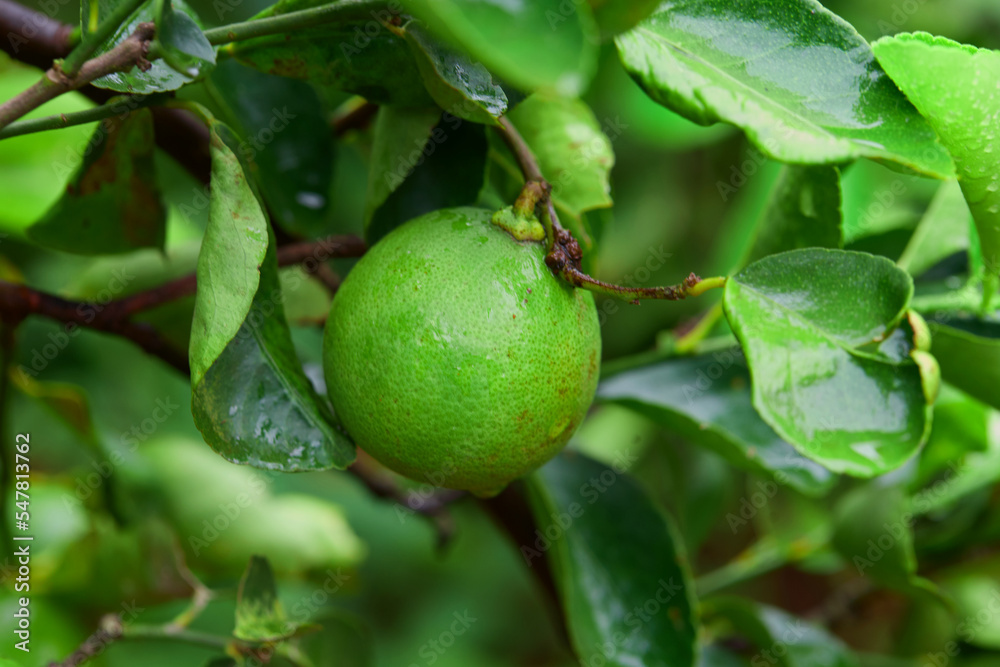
[
  {"x": 954, "y": 87},
  {"x": 706, "y": 399},
  {"x": 160, "y": 76},
  {"x": 755, "y": 64},
  {"x": 459, "y": 85},
  {"x": 804, "y": 319},
  {"x": 184, "y": 45},
  {"x": 272, "y": 418},
  {"x": 112, "y": 203},
  {"x": 624, "y": 585},
  {"x": 541, "y": 44}
]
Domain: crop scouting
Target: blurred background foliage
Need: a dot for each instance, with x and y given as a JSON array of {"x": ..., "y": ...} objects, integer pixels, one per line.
[{"x": 108, "y": 533}]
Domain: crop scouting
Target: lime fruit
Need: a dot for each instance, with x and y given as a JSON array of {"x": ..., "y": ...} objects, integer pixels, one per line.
[{"x": 454, "y": 356}]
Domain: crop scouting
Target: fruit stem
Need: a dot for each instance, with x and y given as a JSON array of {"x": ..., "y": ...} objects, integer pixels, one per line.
[{"x": 563, "y": 252}]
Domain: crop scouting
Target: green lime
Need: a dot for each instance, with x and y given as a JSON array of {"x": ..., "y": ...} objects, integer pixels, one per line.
[{"x": 454, "y": 356}]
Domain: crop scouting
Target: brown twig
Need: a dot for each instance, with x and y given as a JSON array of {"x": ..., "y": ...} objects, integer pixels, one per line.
[
  {"x": 356, "y": 118},
  {"x": 128, "y": 54},
  {"x": 563, "y": 256},
  {"x": 19, "y": 301}
]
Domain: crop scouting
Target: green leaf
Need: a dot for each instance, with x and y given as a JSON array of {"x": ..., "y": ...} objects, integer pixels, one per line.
[
  {"x": 160, "y": 76},
  {"x": 541, "y": 44},
  {"x": 459, "y": 85},
  {"x": 616, "y": 16},
  {"x": 286, "y": 134},
  {"x": 183, "y": 44},
  {"x": 706, "y": 399},
  {"x": 574, "y": 154},
  {"x": 954, "y": 87},
  {"x": 624, "y": 585},
  {"x": 259, "y": 614},
  {"x": 800, "y": 81},
  {"x": 873, "y": 530},
  {"x": 803, "y": 212},
  {"x": 400, "y": 138},
  {"x": 68, "y": 402},
  {"x": 272, "y": 418},
  {"x": 969, "y": 353},
  {"x": 960, "y": 427},
  {"x": 111, "y": 203},
  {"x": 360, "y": 54},
  {"x": 803, "y": 318},
  {"x": 942, "y": 232},
  {"x": 445, "y": 171},
  {"x": 233, "y": 250},
  {"x": 802, "y": 644}
]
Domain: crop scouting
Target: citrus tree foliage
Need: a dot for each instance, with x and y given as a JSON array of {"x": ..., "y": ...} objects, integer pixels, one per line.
[{"x": 797, "y": 469}]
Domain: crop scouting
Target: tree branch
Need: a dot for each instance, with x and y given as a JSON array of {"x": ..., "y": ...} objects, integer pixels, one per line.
[
  {"x": 130, "y": 53},
  {"x": 20, "y": 301}
]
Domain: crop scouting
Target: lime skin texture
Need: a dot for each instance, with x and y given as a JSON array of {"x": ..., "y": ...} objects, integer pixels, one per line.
[{"x": 454, "y": 356}]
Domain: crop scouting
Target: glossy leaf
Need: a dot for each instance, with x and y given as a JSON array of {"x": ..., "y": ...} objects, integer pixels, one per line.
[
  {"x": 111, "y": 203},
  {"x": 541, "y": 44},
  {"x": 459, "y": 85},
  {"x": 954, "y": 87},
  {"x": 400, "y": 139},
  {"x": 802, "y": 644},
  {"x": 184, "y": 45},
  {"x": 943, "y": 231},
  {"x": 358, "y": 54},
  {"x": 801, "y": 82},
  {"x": 969, "y": 353},
  {"x": 285, "y": 132},
  {"x": 237, "y": 229},
  {"x": 803, "y": 212},
  {"x": 802, "y": 318},
  {"x": 259, "y": 614},
  {"x": 607, "y": 569},
  {"x": 273, "y": 417},
  {"x": 874, "y": 532},
  {"x": 616, "y": 16},
  {"x": 706, "y": 399},
  {"x": 446, "y": 171},
  {"x": 160, "y": 76}
]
